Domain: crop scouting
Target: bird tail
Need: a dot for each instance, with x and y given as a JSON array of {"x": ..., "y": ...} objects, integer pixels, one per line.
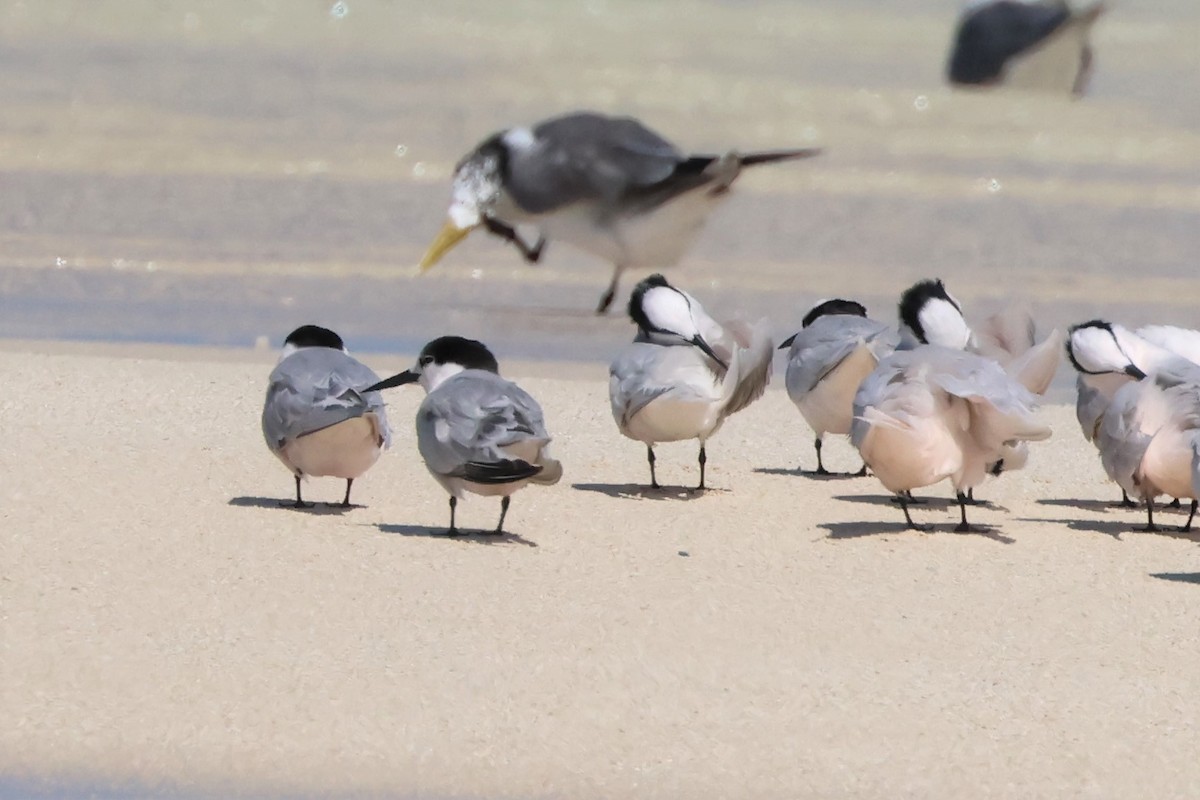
[{"x": 772, "y": 156}]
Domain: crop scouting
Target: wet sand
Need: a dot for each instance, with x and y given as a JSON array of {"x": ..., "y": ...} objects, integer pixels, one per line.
[
  {"x": 217, "y": 175},
  {"x": 168, "y": 629}
]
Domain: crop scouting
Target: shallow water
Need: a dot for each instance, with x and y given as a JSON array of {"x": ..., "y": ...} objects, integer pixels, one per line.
[{"x": 220, "y": 173}]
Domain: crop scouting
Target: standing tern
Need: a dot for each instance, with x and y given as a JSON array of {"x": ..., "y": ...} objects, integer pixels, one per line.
[
  {"x": 931, "y": 315},
  {"x": 836, "y": 348},
  {"x": 1142, "y": 409},
  {"x": 476, "y": 431},
  {"x": 607, "y": 185},
  {"x": 319, "y": 418},
  {"x": 935, "y": 411},
  {"x": 1033, "y": 44},
  {"x": 684, "y": 373}
]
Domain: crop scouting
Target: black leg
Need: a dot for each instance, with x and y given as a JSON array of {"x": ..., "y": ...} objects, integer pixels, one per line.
[
  {"x": 1150, "y": 526},
  {"x": 509, "y": 234},
  {"x": 1174, "y": 503},
  {"x": 610, "y": 294},
  {"x": 346, "y": 499},
  {"x": 453, "y": 505},
  {"x": 504, "y": 501},
  {"x": 1187, "y": 526},
  {"x": 650, "y": 457},
  {"x": 820, "y": 464},
  {"x": 969, "y": 497},
  {"x": 299, "y": 503},
  {"x": 963, "y": 527},
  {"x": 903, "y": 498},
  {"x": 907, "y": 497},
  {"x": 703, "y": 460},
  {"x": 1125, "y": 501}
]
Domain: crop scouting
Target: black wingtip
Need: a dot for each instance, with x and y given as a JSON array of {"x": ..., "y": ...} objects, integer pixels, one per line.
[{"x": 506, "y": 471}]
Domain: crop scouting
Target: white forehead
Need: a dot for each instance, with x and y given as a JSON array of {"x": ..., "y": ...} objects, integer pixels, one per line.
[
  {"x": 519, "y": 138},
  {"x": 669, "y": 310},
  {"x": 1098, "y": 349},
  {"x": 943, "y": 324}
]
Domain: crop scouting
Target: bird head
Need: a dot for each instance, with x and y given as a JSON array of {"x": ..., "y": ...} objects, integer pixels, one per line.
[
  {"x": 310, "y": 336},
  {"x": 441, "y": 359},
  {"x": 930, "y": 315},
  {"x": 1097, "y": 347},
  {"x": 668, "y": 316},
  {"x": 474, "y": 190}
]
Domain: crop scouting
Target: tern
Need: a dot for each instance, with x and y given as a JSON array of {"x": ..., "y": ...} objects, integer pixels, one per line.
[
  {"x": 319, "y": 418},
  {"x": 935, "y": 411},
  {"x": 931, "y": 315},
  {"x": 684, "y": 373},
  {"x": 1140, "y": 405},
  {"x": 836, "y": 348},
  {"x": 1033, "y": 44},
  {"x": 476, "y": 431},
  {"x": 607, "y": 185}
]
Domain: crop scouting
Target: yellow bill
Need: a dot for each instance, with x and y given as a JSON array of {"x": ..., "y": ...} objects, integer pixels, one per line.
[{"x": 447, "y": 237}]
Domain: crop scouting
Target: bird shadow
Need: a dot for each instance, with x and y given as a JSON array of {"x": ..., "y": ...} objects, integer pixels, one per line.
[
  {"x": 800, "y": 472},
  {"x": 464, "y": 535},
  {"x": 1110, "y": 505},
  {"x": 857, "y": 530},
  {"x": 286, "y": 505},
  {"x": 1086, "y": 505},
  {"x": 631, "y": 490},
  {"x": 1113, "y": 528},
  {"x": 1178, "y": 577},
  {"x": 939, "y": 503}
]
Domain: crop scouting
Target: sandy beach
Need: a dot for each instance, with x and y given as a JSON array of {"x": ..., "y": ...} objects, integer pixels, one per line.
[
  {"x": 184, "y": 182},
  {"x": 168, "y": 630}
]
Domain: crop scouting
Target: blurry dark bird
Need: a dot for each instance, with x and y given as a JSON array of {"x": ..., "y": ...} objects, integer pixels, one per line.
[{"x": 1030, "y": 44}]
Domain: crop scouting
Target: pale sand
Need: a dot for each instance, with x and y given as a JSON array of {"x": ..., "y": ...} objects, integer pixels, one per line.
[{"x": 165, "y": 625}]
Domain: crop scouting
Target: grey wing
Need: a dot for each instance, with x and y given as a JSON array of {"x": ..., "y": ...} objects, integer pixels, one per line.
[
  {"x": 1196, "y": 464},
  {"x": 471, "y": 417},
  {"x": 873, "y": 390},
  {"x": 754, "y": 360},
  {"x": 313, "y": 389},
  {"x": 588, "y": 156},
  {"x": 633, "y": 379},
  {"x": 818, "y": 349},
  {"x": 885, "y": 341},
  {"x": 1090, "y": 405},
  {"x": 967, "y": 375},
  {"x": 1121, "y": 443},
  {"x": 1001, "y": 408}
]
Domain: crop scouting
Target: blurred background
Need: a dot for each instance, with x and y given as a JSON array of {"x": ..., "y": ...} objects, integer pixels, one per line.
[{"x": 218, "y": 172}]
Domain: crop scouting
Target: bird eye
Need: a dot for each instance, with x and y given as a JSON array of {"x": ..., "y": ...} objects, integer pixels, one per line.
[{"x": 425, "y": 361}]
